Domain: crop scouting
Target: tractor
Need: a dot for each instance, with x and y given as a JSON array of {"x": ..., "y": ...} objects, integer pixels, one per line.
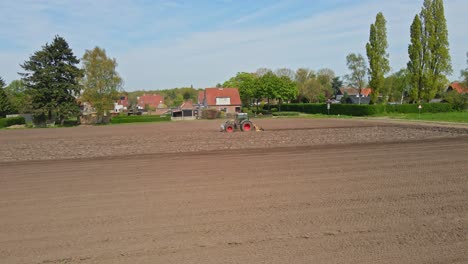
[{"x": 241, "y": 123}]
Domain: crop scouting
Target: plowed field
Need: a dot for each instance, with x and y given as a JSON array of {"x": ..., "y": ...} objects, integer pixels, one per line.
[{"x": 302, "y": 191}]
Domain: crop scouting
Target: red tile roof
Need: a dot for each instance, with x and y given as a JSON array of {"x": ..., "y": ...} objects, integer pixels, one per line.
[
  {"x": 187, "y": 105},
  {"x": 153, "y": 100},
  {"x": 458, "y": 87},
  {"x": 366, "y": 91},
  {"x": 213, "y": 93},
  {"x": 355, "y": 91}
]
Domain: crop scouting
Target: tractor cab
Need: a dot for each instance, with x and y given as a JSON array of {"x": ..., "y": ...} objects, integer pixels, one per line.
[{"x": 241, "y": 117}]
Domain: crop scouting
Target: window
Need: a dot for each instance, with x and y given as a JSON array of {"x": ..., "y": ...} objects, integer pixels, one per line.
[{"x": 223, "y": 101}]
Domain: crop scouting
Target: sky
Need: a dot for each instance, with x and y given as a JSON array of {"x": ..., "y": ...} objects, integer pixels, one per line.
[{"x": 162, "y": 44}]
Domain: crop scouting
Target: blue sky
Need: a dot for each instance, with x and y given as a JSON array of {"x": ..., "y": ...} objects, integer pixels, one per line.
[{"x": 173, "y": 43}]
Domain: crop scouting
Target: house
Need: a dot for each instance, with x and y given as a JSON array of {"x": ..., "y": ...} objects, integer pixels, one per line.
[
  {"x": 222, "y": 99},
  {"x": 457, "y": 87},
  {"x": 187, "y": 111},
  {"x": 121, "y": 104},
  {"x": 353, "y": 92},
  {"x": 150, "y": 100}
]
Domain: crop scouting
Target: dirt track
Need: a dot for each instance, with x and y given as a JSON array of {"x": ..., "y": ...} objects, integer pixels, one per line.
[{"x": 354, "y": 192}]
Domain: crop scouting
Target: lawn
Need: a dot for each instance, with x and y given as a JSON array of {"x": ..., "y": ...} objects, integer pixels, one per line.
[
  {"x": 139, "y": 119},
  {"x": 459, "y": 117}
]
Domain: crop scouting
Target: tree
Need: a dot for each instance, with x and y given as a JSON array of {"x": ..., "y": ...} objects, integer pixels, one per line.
[
  {"x": 302, "y": 77},
  {"x": 312, "y": 87},
  {"x": 51, "y": 78},
  {"x": 325, "y": 78},
  {"x": 416, "y": 64},
  {"x": 19, "y": 98},
  {"x": 262, "y": 71},
  {"x": 430, "y": 60},
  {"x": 101, "y": 82},
  {"x": 285, "y": 72},
  {"x": 5, "y": 105},
  {"x": 400, "y": 85},
  {"x": 357, "y": 65},
  {"x": 378, "y": 57},
  {"x": 287, "y": 89},
  {"x": 336, "y": 84},
  {"x": 187, "y": 95},
  {"x": 246, "y": 83}
]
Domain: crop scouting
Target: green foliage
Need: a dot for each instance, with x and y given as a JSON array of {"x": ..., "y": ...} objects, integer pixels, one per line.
[
  {"x": 172, "y": 97},
  {"x": 6, "y": 122},
  {"x": 314, "y": 87},
  {"x": 51, "y": 79},
  {"x": 413, "y": 108},
  {"x": 416, "y": 63},
  {"x": 101, "y": 82},
  {"x": 357, "y": 65},
  {"x": 139, "y": 119},
  {"x": 429, "y": 51},
  {"x": 336, "y": 84},
  {"x": 246, "y": 83},
  {"x": 366, "y": 110},
  {"x": 20, "y": 100},
  {"x": 378, "y": 57},
  {"x": 398, "y": 85},
  {"x": 459, "y": 102},
  {"x": 5, "y": 104}
]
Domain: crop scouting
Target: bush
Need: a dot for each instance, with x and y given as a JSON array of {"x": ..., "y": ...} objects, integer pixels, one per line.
[
  {"x": 11, "y": 121},
  {"x": 210, "y": 113},
  {"x": 286, "y": 114},
  {"x": 274, "y": 109},
  {"x": 139, "y": 119},
  {"x": 458, "y": 102}
]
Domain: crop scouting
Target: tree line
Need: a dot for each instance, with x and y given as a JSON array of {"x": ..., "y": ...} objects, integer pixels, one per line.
[
  {"x": 423, "y": 78},
  {"x": 52, "y": 80}
]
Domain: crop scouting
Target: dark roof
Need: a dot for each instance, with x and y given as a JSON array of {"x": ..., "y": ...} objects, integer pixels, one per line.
[{"x": 355, "y": 100}]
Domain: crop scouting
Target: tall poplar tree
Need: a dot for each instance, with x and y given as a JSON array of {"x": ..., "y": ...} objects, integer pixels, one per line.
[
  {"x": 378, "y": 57},
  {"x": 429, "y": 55}
]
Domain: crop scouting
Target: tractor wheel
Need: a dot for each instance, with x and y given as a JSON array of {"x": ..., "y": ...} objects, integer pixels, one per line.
[
  {"x": 229, "y": 128},
  {"x": 247, "y": 126}
]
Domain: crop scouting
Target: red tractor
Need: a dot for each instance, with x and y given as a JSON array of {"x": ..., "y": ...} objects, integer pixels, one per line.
[{"x": 241, "y": 122}]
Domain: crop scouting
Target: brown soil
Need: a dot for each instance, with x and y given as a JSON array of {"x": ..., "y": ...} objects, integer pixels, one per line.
[{"x": 303, "y": 191}]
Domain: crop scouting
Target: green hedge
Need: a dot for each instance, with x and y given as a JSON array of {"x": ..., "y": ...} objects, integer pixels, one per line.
[
  {"x": 426, "y": 108},
  {"x": 365, "y": 110},
  {"x": 139, "y": 119},
  {"x": 11, "y": 121}
]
